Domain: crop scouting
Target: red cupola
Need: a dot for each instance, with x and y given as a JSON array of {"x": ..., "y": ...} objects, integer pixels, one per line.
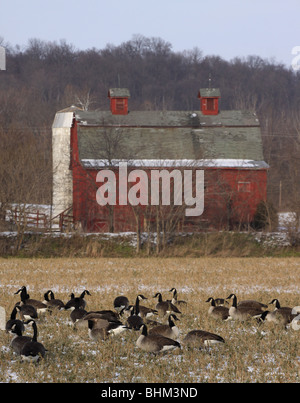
[
  {"x": 119, "y": 100},
  {"x": 209, "y": 100}
]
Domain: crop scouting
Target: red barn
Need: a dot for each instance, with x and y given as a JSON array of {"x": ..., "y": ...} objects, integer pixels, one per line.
[{"x": 106, "y": 153}]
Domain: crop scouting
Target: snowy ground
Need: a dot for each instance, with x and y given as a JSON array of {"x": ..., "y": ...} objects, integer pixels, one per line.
[{"x": 252, "y": 353}]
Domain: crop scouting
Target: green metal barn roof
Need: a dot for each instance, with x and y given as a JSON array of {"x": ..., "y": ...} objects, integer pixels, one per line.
[{"x": 170, "y": 135}]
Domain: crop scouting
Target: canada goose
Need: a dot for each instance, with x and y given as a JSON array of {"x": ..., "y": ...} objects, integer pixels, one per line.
[
  {"x": 175, "y": 300},
  {"x": 142, "y": 310},
  {"x": 164, "y": 307},
  {"x": 120, "y": 303},
  {"x": 12, "y": 321},
  {"x": 170, "y": 330},
  {"x": 250, "y": 303},
  {"x": 25, "y": 298},
  {"x": 278, "y": 306},
  {"x": 202, "y": 337},
  {"x": 53, "y": 302},
  {"x": 26, "y": 311},
  {"x": 217, "y": 312},
  {"x": 78, "y": 312},
  {"x": 155, "y": 343},
  {"x": 33, "y": 350},
  {"x": 242, "y": 313},
  {"x": 71, "y": 303},
  {"x": 18, "y": 340},
  {"x": 280, "y": 316},
  {"x": 134, "y": 321},
  {"x": 100, "y": 329}
]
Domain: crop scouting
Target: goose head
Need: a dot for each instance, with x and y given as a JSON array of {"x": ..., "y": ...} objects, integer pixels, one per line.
[
  {"x": 276, "y": 302},
  {"x": 85, "y": 292}
]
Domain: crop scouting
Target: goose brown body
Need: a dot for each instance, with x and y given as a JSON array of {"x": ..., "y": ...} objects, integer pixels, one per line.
[
  {"x": 33, "y": 350},
  {"x": 202, "y": 338},
  {"x": 242, "y": 313},
  {"x": 170, "y": 330},
  {"x": 53, "y": 303},
  {"x": 280, "y": 316},
  {"x": 18, "y": 341},
  {"x": 217, "y": 312},
  {"x": 155, "y": 343},
  {"x": 165, "y": 307},
  {"x": 82, "y": 302},
  {"x": 26, "y": 300}
]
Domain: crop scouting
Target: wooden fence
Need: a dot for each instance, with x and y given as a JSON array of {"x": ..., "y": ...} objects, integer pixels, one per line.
[
  {"x": 32, "y": 219},
  {"x": 40, "y": 220}
]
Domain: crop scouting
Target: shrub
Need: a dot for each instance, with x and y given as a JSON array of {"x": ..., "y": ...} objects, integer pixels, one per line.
[{"x": 265, "y": 217}]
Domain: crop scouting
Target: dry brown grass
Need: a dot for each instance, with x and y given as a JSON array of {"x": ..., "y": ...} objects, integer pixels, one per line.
[{"x": 251, "y": 353}]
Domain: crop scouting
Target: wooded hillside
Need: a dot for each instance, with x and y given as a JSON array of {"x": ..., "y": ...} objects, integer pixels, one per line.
[{"x": 46, "y": 77}]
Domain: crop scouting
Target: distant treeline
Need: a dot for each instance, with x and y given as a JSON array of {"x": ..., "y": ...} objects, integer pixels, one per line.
[{"x": 45, "y": 77}]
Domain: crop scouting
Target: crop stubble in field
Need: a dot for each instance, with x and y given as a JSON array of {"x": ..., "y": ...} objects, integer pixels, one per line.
[{"x": 252, "y": 353}]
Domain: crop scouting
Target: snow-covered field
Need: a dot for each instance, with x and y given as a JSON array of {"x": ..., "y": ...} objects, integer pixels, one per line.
[{"x": 251, "y": 353}]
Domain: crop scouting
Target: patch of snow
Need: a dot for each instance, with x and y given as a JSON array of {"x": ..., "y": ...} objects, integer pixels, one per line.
[{"x": 287, "y": 220}]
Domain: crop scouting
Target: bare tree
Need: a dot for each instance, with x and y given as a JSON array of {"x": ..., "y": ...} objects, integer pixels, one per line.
[{"x": 24, "y": 177}]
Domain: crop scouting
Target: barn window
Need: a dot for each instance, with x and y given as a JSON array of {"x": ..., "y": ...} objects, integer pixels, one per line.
[{"x": 244, "y": 186}]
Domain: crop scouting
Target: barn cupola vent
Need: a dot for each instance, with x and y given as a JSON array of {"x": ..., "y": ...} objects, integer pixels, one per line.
[
  {"x": 209, "y": 100},
  {"x": 119, "y": 100}
]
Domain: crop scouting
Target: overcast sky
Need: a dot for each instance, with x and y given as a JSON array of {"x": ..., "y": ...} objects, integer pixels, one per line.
[{"x": 226, "y": 28}]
